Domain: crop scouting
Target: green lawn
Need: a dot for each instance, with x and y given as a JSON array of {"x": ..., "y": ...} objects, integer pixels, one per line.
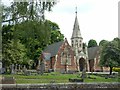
[{"x": 58, "y": 78}]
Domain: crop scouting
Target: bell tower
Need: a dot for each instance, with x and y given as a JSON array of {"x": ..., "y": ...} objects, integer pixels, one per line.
[{"x": 76, "y": 39}]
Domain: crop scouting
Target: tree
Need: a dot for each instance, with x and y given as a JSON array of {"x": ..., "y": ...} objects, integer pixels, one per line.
[
  {"x": 34, "y": 35},
  {"x": 110, "y": 55},
  {"x": 27, "y": 27},
  {"x": 56, "y": 35},
  {"x": 92, "y": 43},
  {"x": 37, "y": 35},
  {"x": 27, "y": 10},
  {"x": 103, "y": 42},
  {"x": 13, "y": 52},
  {"x": 116, "y": 42}
]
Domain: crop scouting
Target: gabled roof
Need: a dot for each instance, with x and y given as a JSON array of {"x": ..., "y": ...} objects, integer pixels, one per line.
[
  {"x": 53, "y": 48},
  {"x": 92, "y": 52}
]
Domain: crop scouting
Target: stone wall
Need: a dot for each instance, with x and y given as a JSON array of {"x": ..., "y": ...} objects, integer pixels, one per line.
[{"x": 70, "y": 86}]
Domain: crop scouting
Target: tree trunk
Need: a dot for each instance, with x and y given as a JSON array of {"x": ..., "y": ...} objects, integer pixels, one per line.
[{"x": 111, "y": 70}]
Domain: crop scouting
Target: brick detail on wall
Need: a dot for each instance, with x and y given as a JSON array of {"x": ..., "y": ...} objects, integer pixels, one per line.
[{"x": 61, "y": 67}]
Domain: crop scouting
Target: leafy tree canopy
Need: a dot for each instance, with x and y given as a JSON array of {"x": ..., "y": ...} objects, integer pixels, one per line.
[
  {"x": 27, "y": 32},
  {"x": 92, "y": 43},
  {"x": 110, "y": 55},
  {"x": 103, "y": 42}
]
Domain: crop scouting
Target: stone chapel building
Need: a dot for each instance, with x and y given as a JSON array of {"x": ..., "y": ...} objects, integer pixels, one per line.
[{"x": 71, "y": 58}]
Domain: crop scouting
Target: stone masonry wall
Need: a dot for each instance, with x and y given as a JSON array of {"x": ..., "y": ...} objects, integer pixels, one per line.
[{"x": 62, "y": 86}]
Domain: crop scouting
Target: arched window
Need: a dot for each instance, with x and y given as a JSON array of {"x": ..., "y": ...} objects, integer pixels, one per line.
[
  {"x": 76, "y": 41},
  {"x": 69, "y": 59},
  {"x": 76, "y": 44},
  {"x": 65, "y": 57},
  {"x": 80, "y": 45},
  {"x": 72, "y": 44}
]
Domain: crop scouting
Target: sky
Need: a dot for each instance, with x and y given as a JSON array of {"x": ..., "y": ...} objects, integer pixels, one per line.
[{"x": 98, "y": 19}]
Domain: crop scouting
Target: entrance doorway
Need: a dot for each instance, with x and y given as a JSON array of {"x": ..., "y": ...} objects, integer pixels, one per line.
[{"x": 81, "y": 64}]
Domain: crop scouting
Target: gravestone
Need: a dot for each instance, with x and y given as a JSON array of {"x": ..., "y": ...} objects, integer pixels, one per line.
[
  {"x": 83, "y": 74},
  {"x": 42, "y": 67},
  {"x": 25, "y": 70},
  {"x": 19, "y": 67},
  {"x": 15, "y": 69},
  {"x": 2, "y": 70},
  {"x": 12, "y": 69}
]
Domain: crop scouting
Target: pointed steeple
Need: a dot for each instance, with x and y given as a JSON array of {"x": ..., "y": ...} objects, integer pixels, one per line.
[
  {"x": 76, "y": 39},
  {"x": 76, "y": 30}
]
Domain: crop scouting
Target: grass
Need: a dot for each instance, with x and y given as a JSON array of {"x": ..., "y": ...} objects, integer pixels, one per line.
[{"x": 58, "y": 78}]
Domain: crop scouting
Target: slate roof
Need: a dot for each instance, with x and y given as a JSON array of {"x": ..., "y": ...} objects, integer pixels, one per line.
[
  {"x": 53, "y": 48},
  {"x": 92, "y": 52}
]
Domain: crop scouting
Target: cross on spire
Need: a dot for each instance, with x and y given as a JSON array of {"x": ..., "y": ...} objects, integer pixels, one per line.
[{"x": 76, "y": 10}]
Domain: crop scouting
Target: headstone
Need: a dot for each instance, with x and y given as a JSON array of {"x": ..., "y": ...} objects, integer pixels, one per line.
[
  {"x": 19, "y": 67},
  {"x": 83, "y": 74},
  {"x": 2, "y": 70},
  {"x": 42, "y": 68},
  {"x": 25, "y": 70},
  {"x": 12, "y": 69},
  {"x": 15, "y": 68},
  {"x": 38, "y": 67}
]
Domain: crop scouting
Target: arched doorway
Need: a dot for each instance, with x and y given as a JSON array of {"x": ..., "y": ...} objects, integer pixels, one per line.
[{"x": 81, "y": 64}]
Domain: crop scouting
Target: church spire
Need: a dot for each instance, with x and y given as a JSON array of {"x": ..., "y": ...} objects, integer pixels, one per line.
[
  {"x": 76, "y": 30},
  {"x": 76, "y": 39}
]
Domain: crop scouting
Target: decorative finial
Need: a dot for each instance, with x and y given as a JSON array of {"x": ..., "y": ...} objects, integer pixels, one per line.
[{"x": 76, "y": 10}]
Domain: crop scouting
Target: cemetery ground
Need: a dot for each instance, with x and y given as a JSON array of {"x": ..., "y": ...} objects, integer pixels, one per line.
[{"x": 55, "y": 77}]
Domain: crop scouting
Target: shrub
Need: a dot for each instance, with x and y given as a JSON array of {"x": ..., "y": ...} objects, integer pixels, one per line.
[{"x": 116, "y": 69}]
